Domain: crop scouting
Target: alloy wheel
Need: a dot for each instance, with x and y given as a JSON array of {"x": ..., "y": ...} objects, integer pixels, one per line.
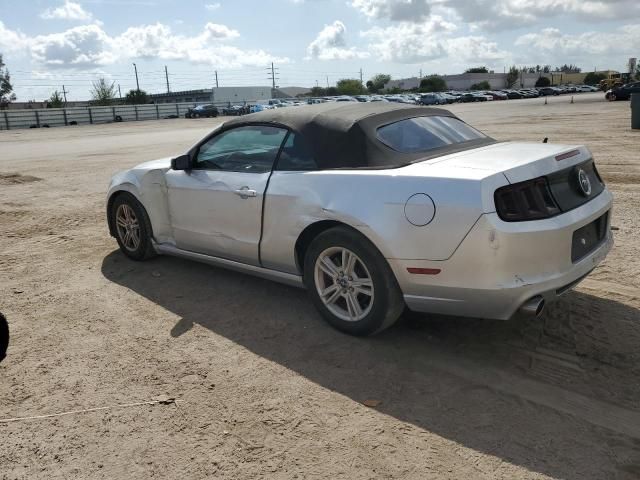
[
  {"x": 344, "y": 284},
  {"x": 128, "y": 227}
]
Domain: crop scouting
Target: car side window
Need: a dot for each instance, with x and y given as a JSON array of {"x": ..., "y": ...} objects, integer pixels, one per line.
[
  {"x": 251, "y": 149},
  {"x": 296, "y": 155}
]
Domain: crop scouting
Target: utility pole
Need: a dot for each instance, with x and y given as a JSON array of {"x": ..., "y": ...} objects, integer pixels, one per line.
[
  {"x": 135, "y": 69},
  {"x": 360, "y": 75},
  {"x": 216, "y": 78},
  {"x": 119, "y": 92},
  {"x": 272, "y": 76},
  {"x": 166, "y": 75},
  {"x": 327, "y": 81},
  {"x": 316, "y": 83},
  {"x": 64, "y": 93}
]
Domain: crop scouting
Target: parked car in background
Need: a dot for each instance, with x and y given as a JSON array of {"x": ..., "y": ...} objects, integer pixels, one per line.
[
  {"x": 256, "y": 108},
  {"x": 432, "y": 99},
  {"x": 513, "y": 94},
  {"x": 235, "y": 110},
  {"x": 202, "y": 111},
  {"x": 446, "y": 220},
  {"x": 545, "y": 91},
  {"x": 345, "y": 98},
  {"x": 448, "y": 98},
  {"x": 624, "y": 92},
  {"x": 496, "y": 95},
  {"x": 528, "y": 93}
]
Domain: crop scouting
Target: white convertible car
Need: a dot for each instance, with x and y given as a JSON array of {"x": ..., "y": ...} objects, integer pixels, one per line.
[{"x": 374, "y": 207}]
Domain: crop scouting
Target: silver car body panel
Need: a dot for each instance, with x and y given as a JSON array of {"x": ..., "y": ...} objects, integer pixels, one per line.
[{"x": 487, "y": 267}]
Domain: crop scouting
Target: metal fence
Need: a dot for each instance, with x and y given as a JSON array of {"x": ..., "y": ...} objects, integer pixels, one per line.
[{"x": 59, "y": 117}]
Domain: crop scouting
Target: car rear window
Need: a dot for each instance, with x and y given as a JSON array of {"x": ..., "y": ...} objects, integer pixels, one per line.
[{"x": 420, "y": 134}]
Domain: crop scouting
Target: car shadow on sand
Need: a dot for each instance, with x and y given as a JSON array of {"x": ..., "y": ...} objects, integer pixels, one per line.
[{"x": 502, "y": 388}]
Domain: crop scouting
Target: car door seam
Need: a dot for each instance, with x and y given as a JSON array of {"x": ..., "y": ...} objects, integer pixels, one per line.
[{"x": 264, "y": 195}]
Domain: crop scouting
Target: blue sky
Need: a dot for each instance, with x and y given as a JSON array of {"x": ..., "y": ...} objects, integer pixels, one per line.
[{"x": 50, "y": 43}]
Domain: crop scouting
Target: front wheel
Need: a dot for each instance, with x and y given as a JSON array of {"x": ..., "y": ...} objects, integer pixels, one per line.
[
  {"x": 351, "y": 283},
  {"x": 132, "y": 227}
]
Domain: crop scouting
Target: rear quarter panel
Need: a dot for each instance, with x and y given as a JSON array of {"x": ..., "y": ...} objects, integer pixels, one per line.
[{"x": 373, "y": 202}]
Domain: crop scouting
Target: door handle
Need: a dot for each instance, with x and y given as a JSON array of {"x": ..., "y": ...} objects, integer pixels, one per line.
[{"x": 245, "y": 192}]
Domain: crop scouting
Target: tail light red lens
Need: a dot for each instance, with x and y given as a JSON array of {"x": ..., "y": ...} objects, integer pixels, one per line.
[{"x": 530, "y": 200}]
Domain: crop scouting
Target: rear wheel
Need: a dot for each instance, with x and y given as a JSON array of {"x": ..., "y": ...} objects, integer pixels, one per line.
[
  {"x": 132, "y": 227},
  {"x": 351, "y": 283}
]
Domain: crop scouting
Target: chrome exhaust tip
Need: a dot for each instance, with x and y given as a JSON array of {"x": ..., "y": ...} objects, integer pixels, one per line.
[{"x": 532, "y": 307}]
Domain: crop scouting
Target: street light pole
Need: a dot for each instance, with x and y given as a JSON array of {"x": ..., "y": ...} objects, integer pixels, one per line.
[{"x": 135, "y": 69}]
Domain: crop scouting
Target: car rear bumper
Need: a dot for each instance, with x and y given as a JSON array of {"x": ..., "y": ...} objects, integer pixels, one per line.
[{"x": 500, "y": 265}]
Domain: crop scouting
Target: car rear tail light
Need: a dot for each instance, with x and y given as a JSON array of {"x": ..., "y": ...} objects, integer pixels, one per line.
[{"x": 530, "y": 200}]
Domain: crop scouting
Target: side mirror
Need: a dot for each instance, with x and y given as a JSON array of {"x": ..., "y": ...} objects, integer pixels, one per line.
[{"x": 183, "y": 162}]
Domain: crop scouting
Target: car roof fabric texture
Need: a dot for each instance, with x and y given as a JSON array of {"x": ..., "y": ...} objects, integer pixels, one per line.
[{"x": 343, "y": 135}]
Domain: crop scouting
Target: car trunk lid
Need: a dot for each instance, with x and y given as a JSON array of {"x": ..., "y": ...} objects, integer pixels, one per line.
[{"x": 518, "y": 161}]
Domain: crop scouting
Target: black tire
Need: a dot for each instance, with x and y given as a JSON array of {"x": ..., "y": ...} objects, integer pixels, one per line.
[
  {"x": 385, "y": 305},
  {"x": 4, "y": 336},
  {"x": 144, "y": 248}
]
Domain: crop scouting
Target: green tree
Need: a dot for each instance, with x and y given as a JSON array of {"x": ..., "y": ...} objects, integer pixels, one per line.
[
  {"x": 102, "y": 92},
  {"x": 568, "y": 68},
  {"x": 136, "y": 97},
  {"x": 317, "y": 92},
  {"x": 349, "y": 86},
  {"x": 6, "y": 89},
  {"x": 543, "y": 82},
  {"x": 55, "y": 101},
  {"x": 512, "y": 77},
  {"x": 484, "y": 85},
  {"x": 476, "y": 70},
  {"x": 433, "y": 83},
  {"x": 593, "y": 78},
  {"x": 377, "y": 82}
]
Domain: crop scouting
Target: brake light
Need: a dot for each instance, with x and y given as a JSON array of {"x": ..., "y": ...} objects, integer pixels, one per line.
[
  {"x": 530, "y": 200},
  {"x": 566, "y": 155}
]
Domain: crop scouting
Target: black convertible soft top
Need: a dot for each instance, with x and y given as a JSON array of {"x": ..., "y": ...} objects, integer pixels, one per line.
[{"x": 343, "y": 134}]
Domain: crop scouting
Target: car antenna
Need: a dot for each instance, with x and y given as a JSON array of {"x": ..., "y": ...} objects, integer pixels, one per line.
[{"x": 546, "y": 140}]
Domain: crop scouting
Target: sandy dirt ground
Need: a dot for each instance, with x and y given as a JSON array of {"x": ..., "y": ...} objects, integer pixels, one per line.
[{"x": 264, "y": 388}]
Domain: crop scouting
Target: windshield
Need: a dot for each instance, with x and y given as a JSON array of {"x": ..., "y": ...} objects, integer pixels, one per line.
[{"x": 420, "y": 134}]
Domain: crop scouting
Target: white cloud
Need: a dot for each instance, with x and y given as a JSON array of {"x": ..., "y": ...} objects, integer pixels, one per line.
[
  {"x": 83, "y": 46},
  {"x": 330, "y": 44},
  {"x": 89, "y": 46},
  {"x": 589, "y": 48},
  {"x": 397, "y": 10},
  {"x": 68, "y": 11},
  {"x": 212, "y": 6},
  {"x": 511, "y": 14},
  {"x": 496, "y": 15},
  {"x": 11, "y": 41},
  {"x": 430, "y": 41}
]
